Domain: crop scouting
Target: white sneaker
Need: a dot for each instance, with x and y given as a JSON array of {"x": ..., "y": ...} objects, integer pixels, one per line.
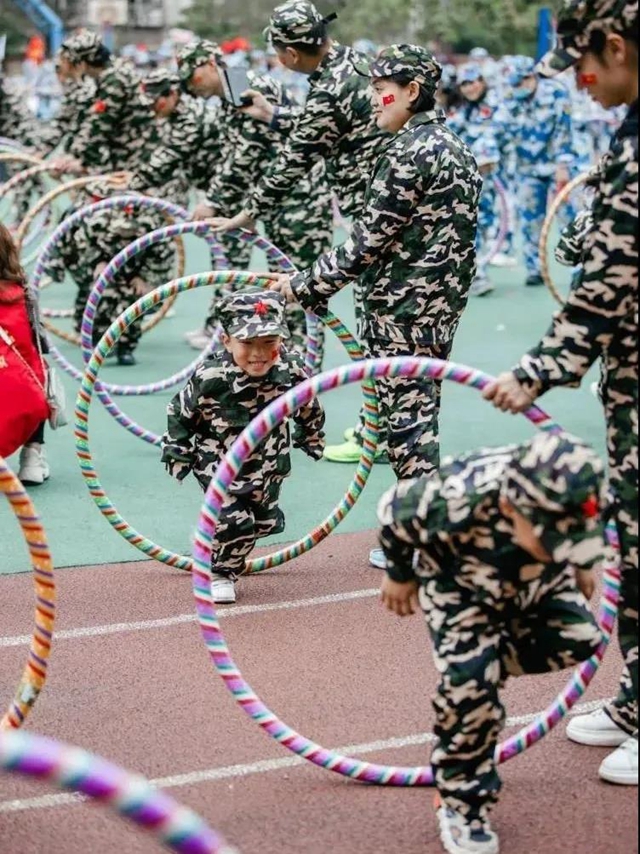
[
  {"x": 377, "y": 559},
  {"x": 621, "y": 766},
  {"x": 461, "y": 836},
  {"x": 502, "y": 260},
  {"x": 223, "y": 589},
  {"x": 596, "y": 729},
  {"x": 480, "y": 287},
  {"x": 199, "y": 342},
  {"x": 34, "y": 468}
]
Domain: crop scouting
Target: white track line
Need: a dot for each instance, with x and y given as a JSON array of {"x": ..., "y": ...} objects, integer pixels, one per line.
[
  {"x": 167, "y": 622},
  {"x": 212, "y": 775}
]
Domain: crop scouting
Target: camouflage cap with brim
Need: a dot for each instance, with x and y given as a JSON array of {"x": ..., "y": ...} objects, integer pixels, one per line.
[
  {"x": 577, "y": 22},
  {"x": 470, "y": 72},
  {"x": 253, "y": 313},
  {"x": 83, "y": 46},
  {"x": 297, "y": 22},
  {"x": 158, "y": 84},
  {"x": 520, "y": 68},
  {"x": 195, "y": 54},
  {"x": 557, "y": 483},
  {"x": 409, "y": 59}
]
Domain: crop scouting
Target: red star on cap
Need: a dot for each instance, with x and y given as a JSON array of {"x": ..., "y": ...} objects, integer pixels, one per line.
[
  {"x": 129, "y": 209},
  {"x": 99, "y": 107},
  {"x": 261, "y": 308},
  {"x": 591, "y": 508}
]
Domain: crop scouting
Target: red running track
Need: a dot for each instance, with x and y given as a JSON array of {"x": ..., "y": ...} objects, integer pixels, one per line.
[{"x": 130, "y": 679}]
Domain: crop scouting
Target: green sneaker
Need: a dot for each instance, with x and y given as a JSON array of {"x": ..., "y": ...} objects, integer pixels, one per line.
[{"x": 350, "y": 452}]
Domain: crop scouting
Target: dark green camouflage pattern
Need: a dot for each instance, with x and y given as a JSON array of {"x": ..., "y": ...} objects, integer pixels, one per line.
[
  {"x": 492, "y": 610},
  {"x": 252, "y": 313},
  {"x": 296, "y": 22},
  {"x": 407, "y": 59}
]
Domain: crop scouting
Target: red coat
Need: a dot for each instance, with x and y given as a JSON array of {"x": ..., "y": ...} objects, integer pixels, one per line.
[
  {"x": 23, "y": 404},
  {"x": 14, "y": 318}
]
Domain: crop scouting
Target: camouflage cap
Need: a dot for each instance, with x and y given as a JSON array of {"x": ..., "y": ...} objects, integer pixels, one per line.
[
  {"x": 519, "y": 68},
  {"x": 253, "y": 313},
  {"x": 83, "y": 46},
  {"x": 557, "y": 482},
  {"x": 469, "y": 73},
  {"x": 157, "y": 84},
  {"x": 193, "y": 55},
  {"x": 297, "y": 22},
  {"x": 577, "y": 21},
  {"x": 409, "y": 59}
]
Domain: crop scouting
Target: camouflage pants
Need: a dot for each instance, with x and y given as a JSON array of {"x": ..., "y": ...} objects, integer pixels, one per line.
[
  {"x": 116, "y": 299},
  {"x": 409, "y": 411},
  {"x": 244, "y": 518},
  {"x": 534, "y": 197},
  {"x": 479, "y": 641},
  {"x": 487, "y": 215},
  {"x": 622, "y": 421}
]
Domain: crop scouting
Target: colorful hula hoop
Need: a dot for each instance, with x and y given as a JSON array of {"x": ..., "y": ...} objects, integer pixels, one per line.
[
  {"x": 83, "y": 450},
  {"x": 555, "y": 206},
  {"x": 19, "y": 157},
  {"x": 9, "y": 145},
  {"x": 214, "y": 639},
  {"x": 35, "y": 672},
  {"x": 128, "y": 794},
  {"x": 146, "y": 202},
  {"x": 23, "y": 176}
]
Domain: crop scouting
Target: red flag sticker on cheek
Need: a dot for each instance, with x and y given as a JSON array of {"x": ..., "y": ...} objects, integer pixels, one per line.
[
  {"x": 588, "y": 79},
  {"x": 388, "y": 100}
]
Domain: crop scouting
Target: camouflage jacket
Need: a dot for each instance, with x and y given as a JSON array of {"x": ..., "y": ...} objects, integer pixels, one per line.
[
  {"x": 215, "y": 406},
  {"x": 477, "y": 120},
  {"x": 336, "y": 125},
  {"x": 540, "y": 129},
  {"x": 600, "y": 316},
  {"x": 414, "y": 249},
  {"x": 187, "y": 150},
  {"x": 117, "y": 129},
  {"x": 453, "y": 518},
  {"x": 247, "y": 147},
  {"x": 17, "y": 122},
  {"x": 77, "y": 99},
  {"x": 572, "y": 241}
]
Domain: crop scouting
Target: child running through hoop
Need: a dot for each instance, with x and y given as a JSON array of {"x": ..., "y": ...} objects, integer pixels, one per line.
[
  {"x": 222, "y": 397},
  {"x": 504, "y": 542}
]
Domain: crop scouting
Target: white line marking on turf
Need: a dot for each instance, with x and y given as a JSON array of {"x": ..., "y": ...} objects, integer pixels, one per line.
[
  {"x": 166, "y": 622},
  {"x": 228, "y": 772}
]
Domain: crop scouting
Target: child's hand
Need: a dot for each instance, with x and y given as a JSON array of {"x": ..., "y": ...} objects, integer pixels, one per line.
[
  {"x": 401, "y": 598},
  {"x": 140, "y": 286},
  {"x": 586, "y": 583}
]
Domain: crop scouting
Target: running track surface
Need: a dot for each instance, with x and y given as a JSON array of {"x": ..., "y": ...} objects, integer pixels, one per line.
[{"x": 130, "y": 679}]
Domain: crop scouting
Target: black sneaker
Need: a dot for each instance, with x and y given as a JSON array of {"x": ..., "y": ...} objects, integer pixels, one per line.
[
  {"x": 534, "y": 281},
  {"x": 126, "y": 359}
]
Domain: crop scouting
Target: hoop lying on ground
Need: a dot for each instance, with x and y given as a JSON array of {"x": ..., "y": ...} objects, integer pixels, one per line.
[
  {"x": 130, "y": 795},
  {"x": 552, "y": 213},
  {"x": 89, "y": 383},
  {"x": 219, "y": 653},
  {"x": 35, "y": 672}
]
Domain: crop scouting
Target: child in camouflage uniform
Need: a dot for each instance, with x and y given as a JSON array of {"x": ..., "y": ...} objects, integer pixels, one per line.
[
  {"x": 600, "y": 320},
  {"x": 225, "y": 393},
  {"x": 503, "y": 542}
]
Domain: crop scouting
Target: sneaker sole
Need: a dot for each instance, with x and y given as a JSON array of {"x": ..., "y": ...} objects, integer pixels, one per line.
[
  {"x": 593, "y": 739},
  {"x": 628, "y": 779},
  {"x": 452, "y": 847}
]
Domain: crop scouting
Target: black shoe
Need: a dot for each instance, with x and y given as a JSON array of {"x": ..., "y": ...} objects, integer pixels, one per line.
[
  {"x": 534, "y": 281},
  {"x": 126, "y": 359}
]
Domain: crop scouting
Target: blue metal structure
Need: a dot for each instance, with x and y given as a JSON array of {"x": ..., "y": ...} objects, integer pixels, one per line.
[
  {"x": 546, "y": 32},
  {"x": 45, "y": 19}
]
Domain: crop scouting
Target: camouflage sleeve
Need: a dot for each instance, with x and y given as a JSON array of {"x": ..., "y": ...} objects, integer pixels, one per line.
[
  {"x": 285, "y": 117},
  {"x": 563, "y": 138},
  {"x": 93, "y": 143},
  {"x": 393, "y": 197},
  {"x": 308, "y": 433},
  {"x": 606, "y": 292},
  {"x": 21, "y": 124},
  {"x": 409, "y": 514},
  {"x": 572, "y": 240},
  {"x": 177, "y": 444},
  {"x": 314, "y": 135}
]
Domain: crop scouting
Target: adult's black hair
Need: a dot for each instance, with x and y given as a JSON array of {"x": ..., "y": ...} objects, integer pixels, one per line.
[
  {"x": 102, "y": 58},
  {"x": 598, "y": 40},
  {"x": 426, "y": 99}
]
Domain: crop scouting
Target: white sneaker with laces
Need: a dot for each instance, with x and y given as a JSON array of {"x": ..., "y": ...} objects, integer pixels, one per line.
[
  {"x": 461, "y": 836},
  {"x": 596, "y": 729},
  {"x": 502, "y": 260},
  {"x": 621, "y": 766},
  {"x": 223, "y": 589},
  {"x": 34, "y": 468}
]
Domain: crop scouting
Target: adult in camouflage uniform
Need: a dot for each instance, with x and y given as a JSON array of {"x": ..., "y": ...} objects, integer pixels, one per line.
[
  {"x": 496, "y": 547},
  {"x": 225, "y": 393},
  {"x": 600, "y": 318},
  {"x": 413, "y": 251},
  {"x": 78, "y": 96},
  {"x": 302, "y": 226},
  {"x": 19, "y": 124}
]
